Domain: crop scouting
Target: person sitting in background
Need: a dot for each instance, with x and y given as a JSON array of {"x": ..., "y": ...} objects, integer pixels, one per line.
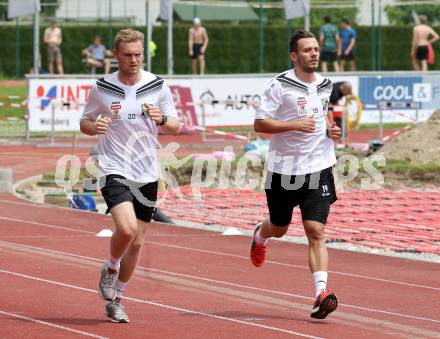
[{"x": 95, "y": 55}]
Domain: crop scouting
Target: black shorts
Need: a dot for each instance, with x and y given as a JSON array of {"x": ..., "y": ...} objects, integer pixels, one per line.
[
  {"x": 313, "y": 197},
  {"x": 197, "y": 51},
  {"x": 348, "y": 57},
  {"x": 422, "y": 53},
  {"x": 115, "y": 192},
  {"x": 328, "y": 56}
]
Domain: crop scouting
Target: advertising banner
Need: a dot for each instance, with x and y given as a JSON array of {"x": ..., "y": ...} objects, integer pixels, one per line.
[
  {"x": 214, "y": 101},
  {"x": 66, "y": 97},
  {"x": 399, "y": 89}
]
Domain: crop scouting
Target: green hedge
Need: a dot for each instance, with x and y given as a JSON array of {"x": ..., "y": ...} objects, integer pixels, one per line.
[{"x": 232, "y": 48}]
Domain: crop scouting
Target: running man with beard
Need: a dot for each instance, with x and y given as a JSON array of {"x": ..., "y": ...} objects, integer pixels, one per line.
[{"x": 301, "y": 155}]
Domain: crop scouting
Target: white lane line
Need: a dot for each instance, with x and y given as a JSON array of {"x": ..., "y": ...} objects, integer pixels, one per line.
[
  {"x": 229, "y": 283},
  {"x": 233, "y": 255},
  {"x": 48, "y": 225},
  {"x": 286, "y": 294},
  {"x": 174, "y": 308},
  {"x": 20, "y": 203},
  {"x": 64, "y": 328},
  {"x": 291, "y": 265}
]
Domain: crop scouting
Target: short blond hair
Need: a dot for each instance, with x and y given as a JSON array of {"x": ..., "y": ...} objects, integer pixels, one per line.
[
  {"x": 128, "y": 35},
  {"x": 423, "y": 19}
]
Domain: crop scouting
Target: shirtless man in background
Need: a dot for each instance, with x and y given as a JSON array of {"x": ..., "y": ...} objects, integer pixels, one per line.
[
  {"x": 53, "y": 39},
  {"x": 197, "y": 44},
  {"x": 419, "y": 51}
]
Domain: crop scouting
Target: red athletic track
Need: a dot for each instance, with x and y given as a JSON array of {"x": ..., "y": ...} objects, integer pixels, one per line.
[
  {"x": 404, "y": 222},
  {"x": 197, "y": 284},
  {"x": 27, "y": 160},
  {"x": 193, "y": 142}
]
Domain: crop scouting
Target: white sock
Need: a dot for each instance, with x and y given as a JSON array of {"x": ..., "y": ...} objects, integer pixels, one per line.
[
  {"x": 259, "y": 239},
  {"x": 320, "y": 281},
  {"x": 120, "y": 288},
  {"x": 113, "y": 263}
]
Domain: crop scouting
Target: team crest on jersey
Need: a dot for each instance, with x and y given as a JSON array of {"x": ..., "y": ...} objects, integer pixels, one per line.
[
  {"x": 115, "y": 107},
  {"x": 301, "y": 102},
  {"x": 324, "y": 102}
]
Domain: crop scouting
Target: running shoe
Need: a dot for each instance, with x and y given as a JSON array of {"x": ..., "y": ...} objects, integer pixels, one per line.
[
  {"x": 257, "y": 251},
  {"x": 116, "y": 312},
  {"x": 325, "y": 304},
  {"x": 107, "y": 283}
]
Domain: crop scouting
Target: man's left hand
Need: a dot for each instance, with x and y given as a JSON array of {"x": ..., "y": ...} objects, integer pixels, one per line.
[
  {"x": 334, "y": 131},
  {"x": 155, "y": 114}
]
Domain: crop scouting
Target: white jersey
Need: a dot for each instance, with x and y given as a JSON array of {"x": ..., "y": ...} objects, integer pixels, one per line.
[
  {"x": 129, "y": 146},
  {"x": 288, "y": 98}
]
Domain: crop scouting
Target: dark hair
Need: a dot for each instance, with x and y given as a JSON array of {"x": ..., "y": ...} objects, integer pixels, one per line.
[
  {"x": 298, "y": 35},
  {"x": 345, "y": 21},
  {"x": 328, "y": 19}
]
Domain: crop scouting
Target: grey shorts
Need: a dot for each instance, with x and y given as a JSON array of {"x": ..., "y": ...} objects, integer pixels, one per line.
[{"x": 54, "y": 53}]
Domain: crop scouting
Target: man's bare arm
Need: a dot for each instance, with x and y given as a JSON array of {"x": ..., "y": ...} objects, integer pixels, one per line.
[
  {"x": 172, "y": 126},
  {"x": 205, "y": 40},
  {"x": 338, "y": 43},
  {"x": 46, "y": 37},
  {"x": 414, "y": 42},
  {"x": 435, "y": 36},
  {"x": 351, "y": 45},
  {"x": 91, "y": 127},
  {"x": 190, "y": 43},
  {"x": 272, "y": 126}
]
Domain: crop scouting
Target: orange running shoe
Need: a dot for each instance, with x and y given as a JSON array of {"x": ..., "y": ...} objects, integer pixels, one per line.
[
  {"x": 257, "y": 251},
  {"x": 325, "y": 303}
]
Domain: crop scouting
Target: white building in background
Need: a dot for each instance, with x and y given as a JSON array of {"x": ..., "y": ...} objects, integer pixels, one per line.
[
  {"x": 364, "y": 17},
  {"x": 133, "y": 11}
]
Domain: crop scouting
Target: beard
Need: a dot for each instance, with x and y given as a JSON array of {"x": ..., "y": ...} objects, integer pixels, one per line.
[
  {"x": 310, "y": 69},
  {"x": 306, "y": 68}
]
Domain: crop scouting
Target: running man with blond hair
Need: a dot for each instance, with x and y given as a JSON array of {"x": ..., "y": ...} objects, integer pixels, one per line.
[{"x": 126, "y": 109}]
